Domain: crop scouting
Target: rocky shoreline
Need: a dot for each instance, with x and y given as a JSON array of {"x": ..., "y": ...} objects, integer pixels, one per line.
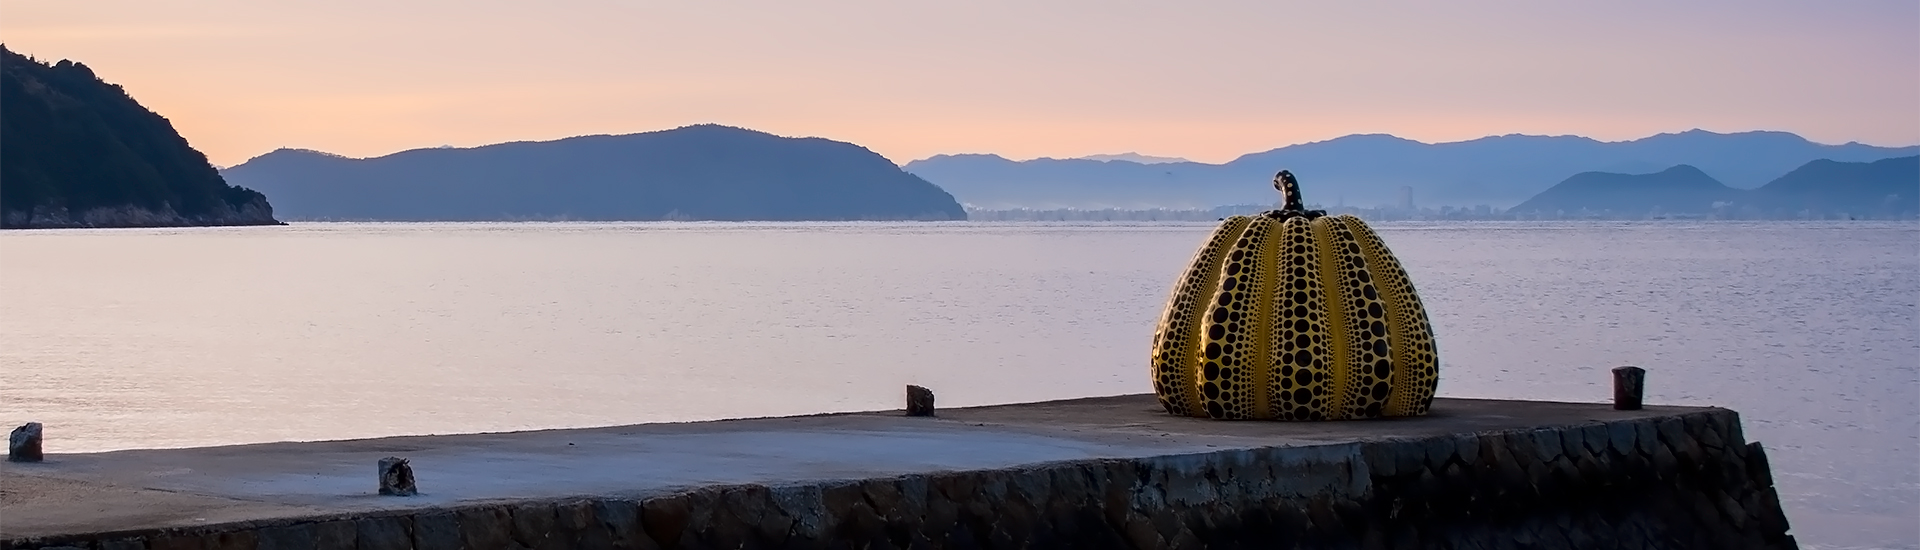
[{"x": 257, "y": 212}]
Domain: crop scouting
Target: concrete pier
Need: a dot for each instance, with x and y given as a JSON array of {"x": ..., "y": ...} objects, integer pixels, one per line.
[{"x": 1113, "y": 472}]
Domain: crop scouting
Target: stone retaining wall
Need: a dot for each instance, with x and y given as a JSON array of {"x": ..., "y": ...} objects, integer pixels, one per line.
[{"x": 1684, "y": 481}]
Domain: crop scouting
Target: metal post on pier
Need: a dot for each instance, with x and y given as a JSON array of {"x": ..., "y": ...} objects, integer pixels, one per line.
[{"x": 1629, "y": 384}]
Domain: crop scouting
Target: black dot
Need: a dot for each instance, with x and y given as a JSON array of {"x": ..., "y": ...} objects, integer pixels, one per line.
[
  {"x": 1220, "y": 315},
  {"x": 1216, "y": 331},
  {"x": 1378, "y": 329},
  {"x": 1369, "y": 291},
  {"x": 1233, "y": 269},
  {"x": 1373, "y": 309},
  {"x": 1380, "y": 348},
  {"x": 1213, "y": 350},
  {"x": 1383, "y": 369},
  {"x": 1229, "y": 284}
]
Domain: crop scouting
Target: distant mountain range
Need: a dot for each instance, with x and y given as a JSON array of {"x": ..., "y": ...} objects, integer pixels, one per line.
[
  {"x": 1368, "y": 170},
  {"x": 1887, "y": 188},
  {"x": 704, "y": 172},
  {"x": 80, "y": 152},
  {"x": 1136, "y": 158}
]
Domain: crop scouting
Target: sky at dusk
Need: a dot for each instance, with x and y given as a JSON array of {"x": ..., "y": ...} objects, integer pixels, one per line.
[{"x": 1202, "y": 80}]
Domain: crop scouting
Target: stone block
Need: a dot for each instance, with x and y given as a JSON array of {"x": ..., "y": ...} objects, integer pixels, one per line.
[
  {"x": 1757, "y": 466},
  {"x": 1434, "y": 453},
  {"x": 177, "y": 540},
  {"x": 1381, "y": 458},
  {"x": 1596, "y": 438},
  {"x": 239, "y": 539},
  {"x": 1140, "y": 533},
  {"x": 1665, "y": 465},
  {"x": 581, "y": 525},
  {"x": 804, "y": 504},
  {"x": 1573, "y": 441},
  {"x": 1730, "y": 430},
  {"x": 1730, "y": 510},
  {"x": 1467, "y": 448},
  {"x": 383, "y": 533},
  {"x": 1700, "y": 428},
  {"x": 136, "y": 543},
  {"x": 1621, "y": 438},
  {"x": 534, "y": 526},
  {"x": 1546, "y": 444},
  {"x": 336, "y": 534},
  {"x": 622, "y": 521},
  {"x": 885, "y": 497},
  {"x": 1645, "y": 437},
  {"x": 941, "y": 518},
  {"x": 666, "y": 519},
  {"x": 438, "y": 530},
  {"x": 485, "y": 526},
  {"x": 298, "y": 536}
]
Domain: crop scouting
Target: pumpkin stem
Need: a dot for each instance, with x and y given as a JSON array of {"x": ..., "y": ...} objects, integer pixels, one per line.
[{"x": 1291, "y": 205}]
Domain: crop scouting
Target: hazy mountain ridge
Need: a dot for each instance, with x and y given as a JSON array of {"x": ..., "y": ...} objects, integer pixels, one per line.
[
  {"x": 1887, "y": 188},
  {"x": 1134, "y": 157},
  {"x": 702, "y": 172},
  {"x": 1369, "y": 169},
  {"x": 80, "y": 152}
]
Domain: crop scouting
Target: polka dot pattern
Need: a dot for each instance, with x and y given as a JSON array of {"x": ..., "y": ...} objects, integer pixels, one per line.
[
  {"x": 1294, "y": 318},
  {"x": 1416, "y": 366},
  {"x": 1299, "y": 374},
  {"x": 1235, "y": 353},
  {"x": 1176, "y": 343},
  {"x": 1363, "y": 362}
]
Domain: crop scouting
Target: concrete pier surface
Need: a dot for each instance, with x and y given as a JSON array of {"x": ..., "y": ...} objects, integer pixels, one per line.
[{"x": 245, "y": 491}]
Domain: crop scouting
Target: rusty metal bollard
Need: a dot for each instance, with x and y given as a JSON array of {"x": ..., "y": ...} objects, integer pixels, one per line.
[
  {"x": 396, "y": 477},
  {"x": 919, "y": 401},
  {"x": 23, "y": 445},
  {"x": 1629, "y": 384}
]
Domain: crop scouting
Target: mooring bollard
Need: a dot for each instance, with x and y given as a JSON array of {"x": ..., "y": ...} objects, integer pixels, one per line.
[
  {"x": 1629, "y": 383},
  {"x": 396, "y": 477},
  {"x": 23, "y": 445},
  {"x": 919, "y": 401}
]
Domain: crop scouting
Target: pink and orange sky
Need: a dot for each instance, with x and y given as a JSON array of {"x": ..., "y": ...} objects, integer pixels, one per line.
[{"x": 1202, "y": 80}]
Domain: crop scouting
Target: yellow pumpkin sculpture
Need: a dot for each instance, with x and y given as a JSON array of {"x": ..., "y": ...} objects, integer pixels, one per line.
[{"x": 1294, "y": 315}]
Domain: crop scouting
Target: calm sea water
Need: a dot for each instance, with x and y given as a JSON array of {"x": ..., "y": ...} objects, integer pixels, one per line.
[{"x": 165, "y": 338}]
